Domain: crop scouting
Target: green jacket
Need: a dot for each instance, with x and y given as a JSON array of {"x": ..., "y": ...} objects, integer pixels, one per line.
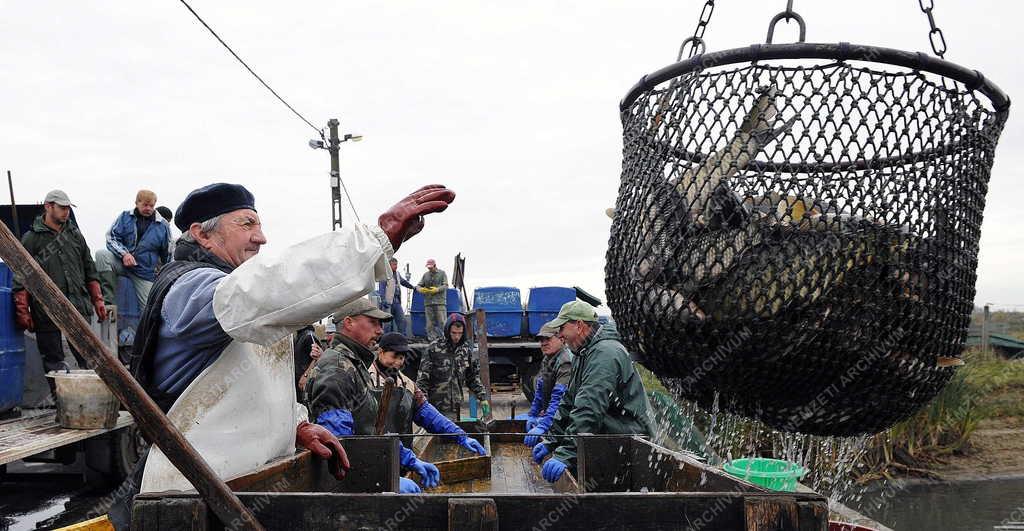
[
  {"x": 446, "y": 369},
  {"x": 436, "y": 279},
  {"x": 340, "y": 381},
  {"x": 605, "y": 396},
  {"x": 67, "y": 260}
]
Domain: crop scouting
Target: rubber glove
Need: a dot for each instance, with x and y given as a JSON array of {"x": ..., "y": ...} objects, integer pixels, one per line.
[
  {"x": 473, "y": 445},
  {"x": 408, "y": 486},
  {"x": 485, "y": 406},
  {"x": 22, "y": 313},
  {"x": 429, "y": 474},
  {"x": 97, "y": 300},
  {"x": 539, "y": 452},
  {"x": 533, "y": 437},
  {"x": 324, "y": 445},
  {"x": 405, "y": 219},
  {"x": 421, "y": 289},
  {"x": 553, "y": 470}
]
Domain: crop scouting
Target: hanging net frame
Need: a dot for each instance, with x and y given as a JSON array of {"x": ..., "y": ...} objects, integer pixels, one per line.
[{"x": 795, "y": 236}]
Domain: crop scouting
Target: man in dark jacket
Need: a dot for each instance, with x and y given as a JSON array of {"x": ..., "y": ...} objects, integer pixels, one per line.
[
  {"x": 605, "y": 394},
  {"x": 448, "y": 365},
  {"x": 340, "y": 389},
  {"x": 552, "y": 382},
  {"x": 138, "y": 242},
  {"x": 390, "y": 292},
  {"x": 59, "y": 247}
]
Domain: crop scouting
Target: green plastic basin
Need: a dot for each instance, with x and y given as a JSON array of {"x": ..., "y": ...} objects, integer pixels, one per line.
[{"x": 774, "y": 474}]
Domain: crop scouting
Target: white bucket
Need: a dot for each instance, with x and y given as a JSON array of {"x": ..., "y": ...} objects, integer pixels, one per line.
[{"x": 83, "y": 401}]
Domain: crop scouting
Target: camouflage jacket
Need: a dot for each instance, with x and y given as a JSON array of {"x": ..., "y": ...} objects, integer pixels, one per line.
[{"x": 445, "y": 370}]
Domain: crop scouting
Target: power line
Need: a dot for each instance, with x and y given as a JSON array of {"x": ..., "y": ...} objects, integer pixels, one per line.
[
  {"x": 260, "y": 79},
  {"x": 350, "y": 203}
]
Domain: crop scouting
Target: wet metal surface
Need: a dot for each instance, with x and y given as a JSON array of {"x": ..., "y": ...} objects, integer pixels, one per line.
[{"x": 45, "y": 496}]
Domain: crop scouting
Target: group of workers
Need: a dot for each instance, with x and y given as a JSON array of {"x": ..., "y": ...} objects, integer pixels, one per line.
[{"x": 209, "y": 343}]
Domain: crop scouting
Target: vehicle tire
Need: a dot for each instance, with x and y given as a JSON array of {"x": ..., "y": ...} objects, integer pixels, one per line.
[{"x": 111, "y": 457}]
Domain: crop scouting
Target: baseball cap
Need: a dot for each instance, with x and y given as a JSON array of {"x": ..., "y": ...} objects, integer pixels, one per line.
[
  {"x": 360, "y": 306},
  {"x": 547, "y": 331},
  {"x": 394, "y": 342},
  {"x": 59, "y": 197},
  {"x": 573, "y": 311}
]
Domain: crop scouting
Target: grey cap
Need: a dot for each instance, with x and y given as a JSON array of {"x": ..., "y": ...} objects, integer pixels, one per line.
[
  {"x": 59, "y": 197},
  {"x": 360, "y": 306},
  {"x": 547, "y": 331}
]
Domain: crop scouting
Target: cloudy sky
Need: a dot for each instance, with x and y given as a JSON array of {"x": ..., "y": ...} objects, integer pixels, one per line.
[{"x": 512, "y": 104}]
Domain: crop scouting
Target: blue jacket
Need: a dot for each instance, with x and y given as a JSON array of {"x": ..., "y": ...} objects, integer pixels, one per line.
[{"x": 149, "y": 251}]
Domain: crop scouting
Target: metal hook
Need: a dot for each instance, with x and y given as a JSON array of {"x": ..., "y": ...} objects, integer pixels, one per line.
[
  {"x": 698, "y": 44},
  {"x": 788, "y": 14}
]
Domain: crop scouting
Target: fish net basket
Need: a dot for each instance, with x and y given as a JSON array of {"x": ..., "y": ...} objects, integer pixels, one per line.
[{"x": 795, "y": 236}]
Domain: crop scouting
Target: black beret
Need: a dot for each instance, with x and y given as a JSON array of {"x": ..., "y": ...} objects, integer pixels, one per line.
[
  {"x": 165, "y": 212},
  {"x": 394, "y": 342},
  {"x": 211, "y": 201}
]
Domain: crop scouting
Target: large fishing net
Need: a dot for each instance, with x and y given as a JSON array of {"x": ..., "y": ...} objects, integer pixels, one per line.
[{"x": 798, "y": 242}]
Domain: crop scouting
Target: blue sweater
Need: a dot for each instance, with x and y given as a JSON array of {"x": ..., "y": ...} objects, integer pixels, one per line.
[{"x": 191, "y": 338}]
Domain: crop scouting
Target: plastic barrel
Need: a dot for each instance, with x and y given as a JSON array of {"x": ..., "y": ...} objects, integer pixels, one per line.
[
  {"x": 544, "y": 304},
  {"x": 504, "y": 310},
  {"x": 12, "y": 347}
]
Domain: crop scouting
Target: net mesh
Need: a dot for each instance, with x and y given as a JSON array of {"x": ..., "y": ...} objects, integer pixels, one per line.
[{"x": 799, "y": 244}]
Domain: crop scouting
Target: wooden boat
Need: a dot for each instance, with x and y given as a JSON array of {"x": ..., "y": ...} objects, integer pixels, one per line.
[{"x": 622, "y": 482}]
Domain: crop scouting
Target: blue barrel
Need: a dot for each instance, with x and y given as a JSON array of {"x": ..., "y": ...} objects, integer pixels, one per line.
[
  {"x": 453, "y": 303},
  {"x": 504, "y": 310},
  {"x": 12, "y": 347},
  {"x": 544, "y": 304}
]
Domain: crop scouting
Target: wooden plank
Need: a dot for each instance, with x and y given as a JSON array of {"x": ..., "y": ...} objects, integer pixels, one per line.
[
  {"x": 377, "y": 470},
  {"x": 660, "y": 469},
  {"x": 172, "y": 513},
  {"x": 603, "y": 462},
  {"x": 472, "y": 514},
  {"x": 485, "y": 361},
  {"x": 478, "y": 467},
  {"x": 40, "y": 434},
  {"x": 813, "y": 515},
  {"x": 776, "y": 513},
  {"x": 593, "y": 512}
]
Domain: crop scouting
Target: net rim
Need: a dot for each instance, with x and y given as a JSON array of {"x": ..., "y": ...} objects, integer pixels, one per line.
[{"x": 973, "y": 80}]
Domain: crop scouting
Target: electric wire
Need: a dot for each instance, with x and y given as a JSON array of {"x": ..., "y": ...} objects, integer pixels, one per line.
[{"x": 258, "y": 78}]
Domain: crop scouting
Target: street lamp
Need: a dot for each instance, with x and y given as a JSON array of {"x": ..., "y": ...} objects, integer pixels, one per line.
[{"x": 332, "y": 144}]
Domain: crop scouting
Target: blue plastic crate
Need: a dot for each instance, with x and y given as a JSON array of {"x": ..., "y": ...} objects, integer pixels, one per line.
[
  {"x": 453, "y": 303},
  {"x": 12, "y": 347},
  {"x": 544, "y": 304},
  {"x": 504, "y": 310}
]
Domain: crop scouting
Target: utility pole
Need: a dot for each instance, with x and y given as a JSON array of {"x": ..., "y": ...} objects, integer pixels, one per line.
[{"x": 333, "y": 147}]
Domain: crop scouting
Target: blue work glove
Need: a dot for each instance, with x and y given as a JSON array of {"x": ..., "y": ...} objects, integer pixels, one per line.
[
  {"x": 531, "y": 422},
  {"x": 408, "y": 486},
  {"x": 472, "y": 445},
  {"x": 429, "y": 474},
  {"x": 553, "y": 470},
  {"x": 539, "y": 452},
  {"x": 533, "y": 437}
]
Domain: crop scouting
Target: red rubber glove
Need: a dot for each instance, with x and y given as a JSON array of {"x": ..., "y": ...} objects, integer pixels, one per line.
[
  {"x": 22, "y": 314},
  {"x": 405, "y": 219},
  {"x": 324, "y": 445},
  {"x": 97, "y": 300}
]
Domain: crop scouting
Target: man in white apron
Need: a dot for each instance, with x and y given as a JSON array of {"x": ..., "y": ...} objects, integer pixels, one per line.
[{"x": 205, "y": 350}]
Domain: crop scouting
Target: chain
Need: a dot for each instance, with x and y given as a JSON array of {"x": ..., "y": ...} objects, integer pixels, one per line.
[
  {"x": 697, "y": 41},
  {"x": 935, "y": 36}
]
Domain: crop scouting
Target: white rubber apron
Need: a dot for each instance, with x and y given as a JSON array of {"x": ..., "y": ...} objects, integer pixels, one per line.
[{"x": 239, "y": 413}]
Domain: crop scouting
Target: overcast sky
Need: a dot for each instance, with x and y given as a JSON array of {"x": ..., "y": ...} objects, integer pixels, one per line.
[{"x": 512, "y": 104}]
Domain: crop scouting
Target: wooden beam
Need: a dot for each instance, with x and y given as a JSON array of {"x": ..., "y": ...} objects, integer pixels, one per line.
[
  {"x": 603, "y": 462},
  {"x": 776, "y": 513},
  {"x": 153, "y": 423},
  {"x": 485, "y": 360},
  {"x": 472, "y": 514}
]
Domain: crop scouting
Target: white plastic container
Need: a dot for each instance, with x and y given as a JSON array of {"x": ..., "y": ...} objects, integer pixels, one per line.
[{"x": 83, "y": 401}]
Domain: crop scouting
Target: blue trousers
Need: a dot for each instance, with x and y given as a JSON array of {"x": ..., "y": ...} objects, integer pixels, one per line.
[{"x": 397, "y": 323}]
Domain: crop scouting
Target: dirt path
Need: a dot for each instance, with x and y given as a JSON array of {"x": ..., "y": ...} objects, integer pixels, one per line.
[{"x": 997, "y": 450}]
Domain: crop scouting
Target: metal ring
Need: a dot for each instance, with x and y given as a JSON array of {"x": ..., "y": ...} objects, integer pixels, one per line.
[
  {"x": 788, "y": 14},
  {"x": 857, "y": 52},
  {"x": 697, "y": 42}
]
